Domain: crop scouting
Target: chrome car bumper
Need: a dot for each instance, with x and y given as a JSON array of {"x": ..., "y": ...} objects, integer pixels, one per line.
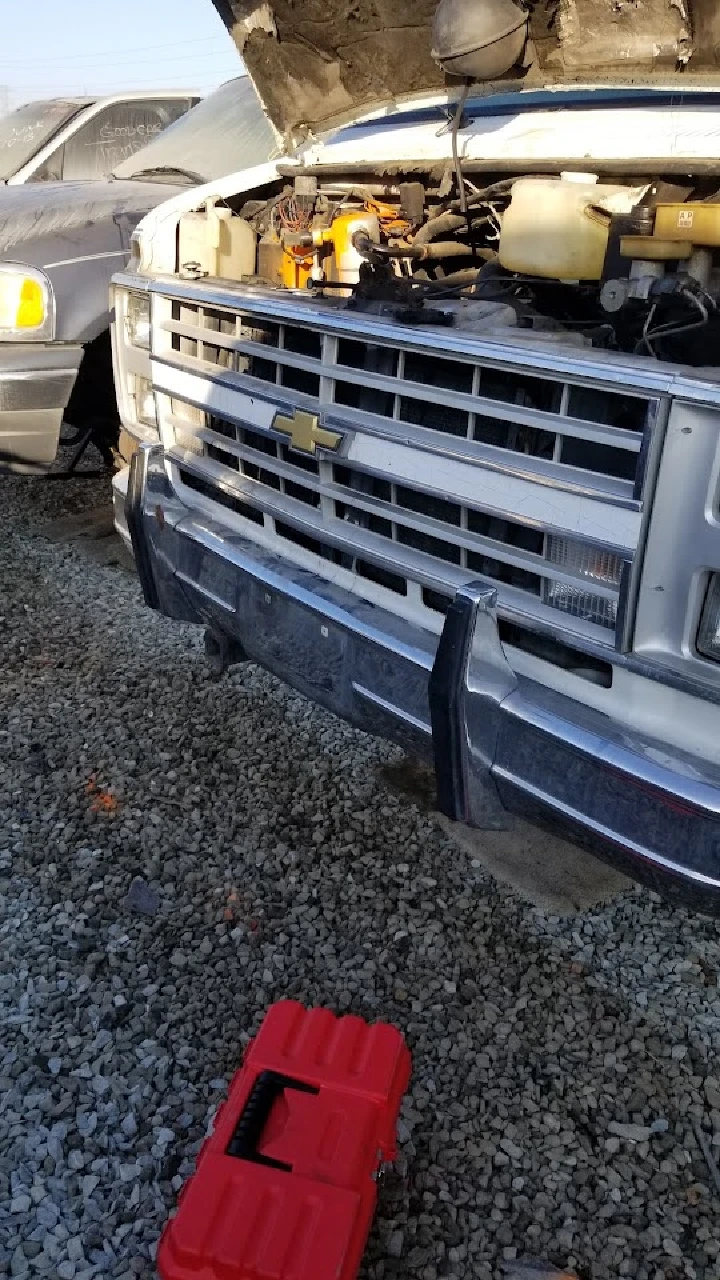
[
  {"x": 501, "y": 745},
  {"x": 35, "y": 385}
]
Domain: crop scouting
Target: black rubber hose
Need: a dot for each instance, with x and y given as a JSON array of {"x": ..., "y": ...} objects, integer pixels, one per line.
[
  {"x": 438, "y": 250},
  {"x": 367, "y": 248},
  {"x": 444, "y": 224},
  {"x": 457, "y": 120},
  {"x": 434, "y": 252},
  {"x": 497, "y": 190},
  {"x": 455, "y": 280}
]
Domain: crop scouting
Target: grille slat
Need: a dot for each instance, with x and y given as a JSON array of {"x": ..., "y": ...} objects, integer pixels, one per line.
[{"x": 401, "y": 532}]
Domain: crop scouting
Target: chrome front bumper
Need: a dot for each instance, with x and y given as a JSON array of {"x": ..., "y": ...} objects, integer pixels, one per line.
[
  {"x": 35, "y": 386},
  {"x": 501, "y": 745}
]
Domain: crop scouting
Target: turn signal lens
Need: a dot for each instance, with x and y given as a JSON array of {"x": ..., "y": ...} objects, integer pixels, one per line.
[
  {"x": 31, "y": 306},
  {"x": 145, "y": 402},
  {"x": 596, "y": 567},
  {"x": 25, "y": 303}
]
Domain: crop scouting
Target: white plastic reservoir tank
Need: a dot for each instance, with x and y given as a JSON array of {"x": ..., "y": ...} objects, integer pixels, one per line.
[{"x": 559, "y": 228}]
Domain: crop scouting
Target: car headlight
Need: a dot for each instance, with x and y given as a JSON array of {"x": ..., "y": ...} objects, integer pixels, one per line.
[
  {"x": 708, "y": 639},
  {"x": 27, "y": 311},
  {"x": 600, "y": 569},
  {"x": 137, "y": 320}
]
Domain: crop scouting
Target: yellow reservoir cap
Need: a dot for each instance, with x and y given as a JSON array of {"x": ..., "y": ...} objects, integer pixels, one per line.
[
  {"x": 696, "y": 222},
  {"x": 652, "y": 249}
]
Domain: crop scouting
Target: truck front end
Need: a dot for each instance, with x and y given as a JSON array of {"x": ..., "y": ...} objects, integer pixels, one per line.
[{"x": 406, "y": 460}]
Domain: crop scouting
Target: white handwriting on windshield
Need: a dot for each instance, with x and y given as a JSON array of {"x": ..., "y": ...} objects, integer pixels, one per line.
[
  {"x": 24, "y": 135},
  {"x": 109, "y": 132},
  {"x": 111, "y": 156}
]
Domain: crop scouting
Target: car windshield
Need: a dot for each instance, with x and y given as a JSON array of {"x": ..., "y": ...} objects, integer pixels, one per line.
[
  {"x": 224, "y": 133},
  {"x": 25, "y": 131}
]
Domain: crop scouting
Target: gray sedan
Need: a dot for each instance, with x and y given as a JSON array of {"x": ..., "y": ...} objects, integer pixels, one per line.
[{"x": 60, "y": 244}]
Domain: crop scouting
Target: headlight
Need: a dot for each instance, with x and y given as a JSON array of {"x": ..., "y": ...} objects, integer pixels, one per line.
[
  {"x": 708, "y": 640},
  {"x": 600, "y": 568},
  {"x": 26, "y": 304},
  {"x": 137, "y": 320}
]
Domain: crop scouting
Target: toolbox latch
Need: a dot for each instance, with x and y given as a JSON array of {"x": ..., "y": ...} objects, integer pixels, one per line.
[{"x": 267, "y": 1089}]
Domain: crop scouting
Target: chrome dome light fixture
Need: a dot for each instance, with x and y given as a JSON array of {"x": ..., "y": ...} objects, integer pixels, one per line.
[{"x": 479, "y": 39}]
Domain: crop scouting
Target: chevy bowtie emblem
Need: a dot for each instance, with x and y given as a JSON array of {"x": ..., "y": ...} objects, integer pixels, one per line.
[{"x": 305, "y": 432}]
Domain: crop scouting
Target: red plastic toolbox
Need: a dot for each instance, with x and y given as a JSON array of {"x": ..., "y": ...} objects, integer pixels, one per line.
[{"x": 285, "y": 1188}]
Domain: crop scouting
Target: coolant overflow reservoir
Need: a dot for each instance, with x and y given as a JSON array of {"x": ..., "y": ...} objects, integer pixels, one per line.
[
  {"x": 216, "y": 243},
  {"x": 559, "y": 229}
]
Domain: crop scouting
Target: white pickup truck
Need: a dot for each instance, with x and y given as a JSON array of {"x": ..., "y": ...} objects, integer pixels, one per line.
[{"x": 434, "y": 431}]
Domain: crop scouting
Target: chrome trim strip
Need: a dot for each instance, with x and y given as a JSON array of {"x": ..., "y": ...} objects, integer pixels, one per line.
[
  {"x": 632, "y": 849},
  {"x": 86, "y": 257},
  {"x": 382, "y": 704},
  {"x": 647, "y": 474},
  {"x": 35, "y": 375}
]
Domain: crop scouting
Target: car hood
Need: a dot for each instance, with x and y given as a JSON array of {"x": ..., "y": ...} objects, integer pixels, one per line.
[
  {"x": 66, "y": 210},
  {"x": 319, "y": 62}
]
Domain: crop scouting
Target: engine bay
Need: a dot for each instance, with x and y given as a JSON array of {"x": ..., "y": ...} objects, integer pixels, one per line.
[{"x": 625, "y": 264}]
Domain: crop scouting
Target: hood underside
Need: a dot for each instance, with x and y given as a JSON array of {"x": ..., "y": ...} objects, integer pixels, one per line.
[{"x": 317, "y": 62}]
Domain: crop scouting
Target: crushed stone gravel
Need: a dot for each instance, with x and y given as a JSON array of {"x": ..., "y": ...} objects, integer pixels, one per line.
[{"x": 561, "y": 1065}]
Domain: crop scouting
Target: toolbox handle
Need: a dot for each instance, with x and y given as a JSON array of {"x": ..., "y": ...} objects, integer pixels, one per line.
[{"x": 266, "y": 1090}]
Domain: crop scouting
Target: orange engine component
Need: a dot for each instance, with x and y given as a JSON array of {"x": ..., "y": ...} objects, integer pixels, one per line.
[{"x": 295, "y": 271}]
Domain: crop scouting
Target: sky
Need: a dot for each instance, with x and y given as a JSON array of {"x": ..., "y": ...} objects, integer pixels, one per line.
[{"x": 51, "y": 47}]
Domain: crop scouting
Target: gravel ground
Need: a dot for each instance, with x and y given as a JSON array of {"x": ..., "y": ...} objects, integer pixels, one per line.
[{"x": 561, "y": 1066}]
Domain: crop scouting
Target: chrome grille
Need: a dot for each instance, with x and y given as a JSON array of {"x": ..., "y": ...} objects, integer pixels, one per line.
[
  {"x": 506, "y": 409},
  {"x": 571, "y": 438},
  {"x": 468, "y": 539}
]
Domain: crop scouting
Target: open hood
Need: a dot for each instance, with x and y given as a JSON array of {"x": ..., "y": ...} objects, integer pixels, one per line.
[{"x": 317, "y": 62}]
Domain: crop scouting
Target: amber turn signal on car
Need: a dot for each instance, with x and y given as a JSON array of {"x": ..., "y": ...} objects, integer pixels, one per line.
[{"x": 26, "y": 304}]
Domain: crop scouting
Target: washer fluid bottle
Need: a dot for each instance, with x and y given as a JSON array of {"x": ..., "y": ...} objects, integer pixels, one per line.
[{"x": 559, "y": 229}]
